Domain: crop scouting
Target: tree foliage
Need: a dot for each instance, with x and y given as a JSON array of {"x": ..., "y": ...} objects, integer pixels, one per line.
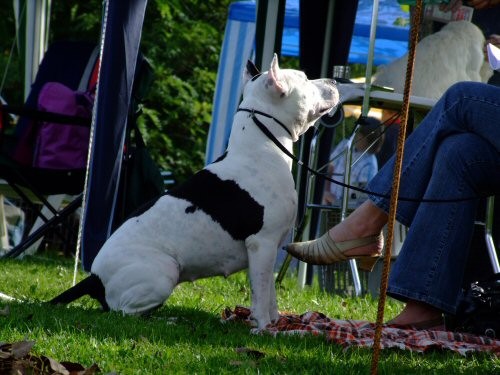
[{"x": 181, "y": 40}]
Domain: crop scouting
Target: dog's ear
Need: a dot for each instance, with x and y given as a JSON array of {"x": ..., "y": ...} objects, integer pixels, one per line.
[
  {"x": 251, "y": 71},
  {"x": 274, "y": 77}
]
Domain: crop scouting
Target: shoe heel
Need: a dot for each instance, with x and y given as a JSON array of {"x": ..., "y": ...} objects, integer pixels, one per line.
[{"x": 367, "y": 263}]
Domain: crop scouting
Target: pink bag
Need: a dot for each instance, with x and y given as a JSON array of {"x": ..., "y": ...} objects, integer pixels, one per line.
[{"x": 63, "y": 146}]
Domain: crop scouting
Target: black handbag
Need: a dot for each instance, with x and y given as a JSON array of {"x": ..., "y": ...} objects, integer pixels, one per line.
[{"x": 479, "y": 310}]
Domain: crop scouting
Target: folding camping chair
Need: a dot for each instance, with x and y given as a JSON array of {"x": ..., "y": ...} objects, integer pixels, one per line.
[
  {"x": 343, "y": 278},
  {"x": 72, "y": 64}
]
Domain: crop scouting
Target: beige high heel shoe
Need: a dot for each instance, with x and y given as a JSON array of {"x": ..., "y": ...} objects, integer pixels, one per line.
[{"x": 324, "y": 251}]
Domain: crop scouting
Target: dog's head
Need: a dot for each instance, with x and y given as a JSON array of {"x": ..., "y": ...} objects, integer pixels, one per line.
[{"x": 289, "y": 96}]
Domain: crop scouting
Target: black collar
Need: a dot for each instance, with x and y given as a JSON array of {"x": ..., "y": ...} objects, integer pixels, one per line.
[
  {"x": 253, "y": 112},
  {"x": 270, "y": 135}
]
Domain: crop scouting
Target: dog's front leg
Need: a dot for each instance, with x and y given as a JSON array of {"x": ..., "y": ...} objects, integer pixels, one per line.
[{"x": 261, "y": 258}]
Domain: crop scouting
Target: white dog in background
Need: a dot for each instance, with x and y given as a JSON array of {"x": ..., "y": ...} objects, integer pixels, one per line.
[
  {"x": 231, "y": 215},
  {"x": 453, "y": 54}
]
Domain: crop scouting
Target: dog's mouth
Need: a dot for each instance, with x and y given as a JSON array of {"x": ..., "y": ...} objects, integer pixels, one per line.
[
  {"x": 328, "y": 110},
  {"x": 325, "y": 111}
]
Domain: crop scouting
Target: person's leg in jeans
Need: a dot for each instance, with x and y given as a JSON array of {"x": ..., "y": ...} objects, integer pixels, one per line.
[
  {"x": 430, "y": 267},
  {"x": 466, "y": 107}
]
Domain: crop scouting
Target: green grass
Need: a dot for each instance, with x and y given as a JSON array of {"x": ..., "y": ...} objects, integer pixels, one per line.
[{"x": 186, "y": 335}]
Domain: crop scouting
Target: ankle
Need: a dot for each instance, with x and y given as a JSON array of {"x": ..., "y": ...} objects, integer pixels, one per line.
[
  {"x": 416, "y": 311},
  {"x": 367, "y": 220},
  {"x": 370, "y": 217}
]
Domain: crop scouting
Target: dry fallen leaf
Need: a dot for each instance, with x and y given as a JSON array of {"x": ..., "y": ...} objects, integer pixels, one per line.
[
  {"x": 21, "y": 349},
  {"x": 15, "y": 359},
  {"x": 250, "y": 352}
]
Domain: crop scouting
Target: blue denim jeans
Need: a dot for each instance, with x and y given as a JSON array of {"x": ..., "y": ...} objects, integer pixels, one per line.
[{"x": 453, "y": 154}]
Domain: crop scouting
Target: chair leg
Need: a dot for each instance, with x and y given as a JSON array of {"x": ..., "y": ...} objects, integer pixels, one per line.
[
  {"x": 4, "y": 236},
  {"x": 37, "y": 234},
  {"x": 55, "y": 201},
  {"x": 490, "y": 244}
]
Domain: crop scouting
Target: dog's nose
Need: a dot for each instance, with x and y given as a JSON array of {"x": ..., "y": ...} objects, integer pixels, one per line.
[{"x": 333, "y": 82}]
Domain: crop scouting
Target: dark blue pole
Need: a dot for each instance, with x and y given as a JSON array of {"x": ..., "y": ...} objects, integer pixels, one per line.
[{"x": 120, "y": 40}]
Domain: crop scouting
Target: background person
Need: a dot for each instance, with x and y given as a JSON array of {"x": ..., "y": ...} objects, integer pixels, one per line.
[{"x": 366, "y": 143}]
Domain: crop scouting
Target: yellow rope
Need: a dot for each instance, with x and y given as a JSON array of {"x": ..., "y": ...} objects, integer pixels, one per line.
[{"x": 415, "y": 26}]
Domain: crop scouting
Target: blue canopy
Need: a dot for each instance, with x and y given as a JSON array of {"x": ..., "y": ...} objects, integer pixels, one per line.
[{"x": 391, "y": 42}]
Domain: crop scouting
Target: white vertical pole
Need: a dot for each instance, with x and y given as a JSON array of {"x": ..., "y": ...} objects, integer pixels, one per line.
[
  {"x": 369, "y": 63},
  {"x": 37, "y": 23}
]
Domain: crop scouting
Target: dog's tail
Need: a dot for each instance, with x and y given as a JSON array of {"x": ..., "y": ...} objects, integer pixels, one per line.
[{"x": 91, "y": 286}]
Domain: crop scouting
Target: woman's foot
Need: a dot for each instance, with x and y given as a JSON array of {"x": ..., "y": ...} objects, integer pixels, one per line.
[
  {"x": 357, "y": 237},
  {"x": 419, "y": 316}
]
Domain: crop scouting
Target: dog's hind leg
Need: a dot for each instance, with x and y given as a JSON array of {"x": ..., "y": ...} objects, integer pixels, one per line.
[
  {"x": 142, "y": 286},
  {"x": 261, "y": 257}
]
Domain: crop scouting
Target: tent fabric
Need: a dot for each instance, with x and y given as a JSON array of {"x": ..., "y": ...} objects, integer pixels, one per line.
[
  {"x": 120, "y": 40},
  {"x": 319, "y": 49},
  {"x": 34, "y": 18},
  {"x": 268, "y": 36},
  {"x": 238, "y": 45},
  {"x": 236, "y": 49}
]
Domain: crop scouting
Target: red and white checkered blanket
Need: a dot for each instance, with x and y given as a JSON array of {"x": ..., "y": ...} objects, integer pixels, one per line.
[{"x": 361, "y": 333}]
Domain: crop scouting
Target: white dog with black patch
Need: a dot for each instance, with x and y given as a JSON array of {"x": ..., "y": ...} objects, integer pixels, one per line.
[{"x": 231, "y": 215}]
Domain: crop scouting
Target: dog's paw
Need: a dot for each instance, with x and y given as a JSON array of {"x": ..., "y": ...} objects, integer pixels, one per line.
[
  {"x": 274, "y": 315},
  {"x": 253, "y": 322},
  {"x": 259, "y": 322},
  {"x": 258, "y": 331}
]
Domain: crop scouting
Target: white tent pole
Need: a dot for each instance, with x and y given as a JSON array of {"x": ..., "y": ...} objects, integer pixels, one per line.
[
  {"x": 369, "y": 64},
  {"x": 37, "y": 22},
  {"x": 29, "y": 46}
]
